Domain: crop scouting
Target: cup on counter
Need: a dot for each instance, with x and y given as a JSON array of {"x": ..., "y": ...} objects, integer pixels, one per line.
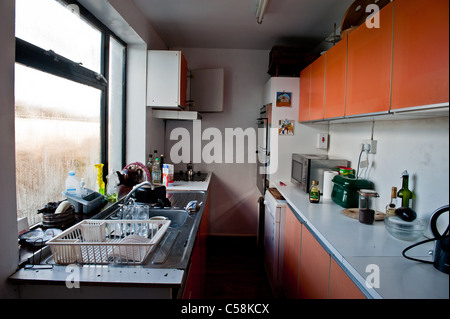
[{"x": 141, "y": 212}]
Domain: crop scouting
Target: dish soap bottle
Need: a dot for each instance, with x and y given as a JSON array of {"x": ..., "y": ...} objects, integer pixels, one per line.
[{"x": 314, "y": 193}]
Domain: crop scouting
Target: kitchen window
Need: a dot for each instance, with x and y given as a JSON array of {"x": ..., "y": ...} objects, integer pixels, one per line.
[{"x": 69, "y": 100}]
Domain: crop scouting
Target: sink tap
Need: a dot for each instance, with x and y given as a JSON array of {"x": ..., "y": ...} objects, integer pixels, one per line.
[
  {"x": 135, "y": 188},
  {"x": 193, "y": 207}
]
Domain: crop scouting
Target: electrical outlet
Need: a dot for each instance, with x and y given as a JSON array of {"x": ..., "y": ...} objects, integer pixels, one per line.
[
  {"x": 322, "y": 141},
  {"x": 371, "y": 144}
]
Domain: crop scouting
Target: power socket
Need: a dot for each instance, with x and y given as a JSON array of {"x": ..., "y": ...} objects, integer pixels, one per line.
[
  {"x": 322, "y": 141},
  {"x": 370, "y": 144}
]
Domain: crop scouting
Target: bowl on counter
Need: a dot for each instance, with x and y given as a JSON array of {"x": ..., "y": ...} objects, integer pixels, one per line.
[{"x": 405, "y": 230}]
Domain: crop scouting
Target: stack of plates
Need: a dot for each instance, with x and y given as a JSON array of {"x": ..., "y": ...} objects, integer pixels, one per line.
[{"x": 61, "y": 220}]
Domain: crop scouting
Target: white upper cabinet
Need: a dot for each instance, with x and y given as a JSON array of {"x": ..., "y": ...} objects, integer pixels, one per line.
[{"x": 166, "y": 80}]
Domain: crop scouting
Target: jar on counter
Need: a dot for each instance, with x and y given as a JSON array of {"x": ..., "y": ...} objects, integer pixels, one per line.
[
  {"x": 314, "y": 193},
  {"x": 366, "y": 206}
]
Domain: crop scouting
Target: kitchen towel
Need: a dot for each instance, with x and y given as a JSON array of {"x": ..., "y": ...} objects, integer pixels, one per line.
[{"x": 328, "y": 184}]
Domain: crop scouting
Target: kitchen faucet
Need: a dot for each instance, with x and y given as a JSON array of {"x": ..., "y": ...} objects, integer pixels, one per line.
[{"x": 136, "y": 187}]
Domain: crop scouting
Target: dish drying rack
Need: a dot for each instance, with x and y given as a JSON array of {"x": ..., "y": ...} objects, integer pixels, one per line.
[{"x": 108, "y": 241}]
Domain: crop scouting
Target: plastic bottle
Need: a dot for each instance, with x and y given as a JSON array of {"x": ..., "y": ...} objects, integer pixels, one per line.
[
  {"x": 314, "y": 193},
  {"x": 73, "y": 184},
  {"x": 150, "y": 163},
  {"x": 156, "y": 172},
  {"x": 83, "y": 189},
  {"x": 111, "y": 185},
  {"x": 100, "y": 182}
]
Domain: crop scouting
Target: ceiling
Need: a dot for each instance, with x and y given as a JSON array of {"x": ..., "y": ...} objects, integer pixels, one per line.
[{"x": 232, "y": 24}]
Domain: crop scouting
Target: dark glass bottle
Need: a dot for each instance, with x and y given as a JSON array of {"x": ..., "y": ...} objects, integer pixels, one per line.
[{"x": 404, "y": 193}]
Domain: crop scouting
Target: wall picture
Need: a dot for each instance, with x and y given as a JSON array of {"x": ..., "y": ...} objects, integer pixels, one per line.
[
  {"x": 286, "y": 127},
  {"x": 284, "y": 99}
]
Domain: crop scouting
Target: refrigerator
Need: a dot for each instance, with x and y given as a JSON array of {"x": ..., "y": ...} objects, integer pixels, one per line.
[{"x": 277, "y": 130}]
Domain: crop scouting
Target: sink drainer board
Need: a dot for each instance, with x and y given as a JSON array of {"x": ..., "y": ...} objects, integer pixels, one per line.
[{"x": 108, "y": 241}]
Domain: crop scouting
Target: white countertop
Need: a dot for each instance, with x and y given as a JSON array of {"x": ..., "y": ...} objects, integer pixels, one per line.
[
  {"x": 191, "y": 186},
  {"x": 356, "y": 245}
]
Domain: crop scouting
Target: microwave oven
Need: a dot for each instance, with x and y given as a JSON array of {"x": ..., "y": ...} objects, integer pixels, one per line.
[{"x": 309, "y": 167}]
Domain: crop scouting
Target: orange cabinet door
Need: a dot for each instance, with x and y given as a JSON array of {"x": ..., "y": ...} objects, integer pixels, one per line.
[
  {"x": 421, "y": 53},
  {"x": 370, "y": 66},
  {"x": 183, "y": 81},
  {"x": 292, "y": 242},
  {"x": 341, "y": 286},
  {"x": 314, "y": 268},
  {"x": 317, "y": 88},
  {"x": 305, "y": 94},
  {"x": 336, "y": 80}
]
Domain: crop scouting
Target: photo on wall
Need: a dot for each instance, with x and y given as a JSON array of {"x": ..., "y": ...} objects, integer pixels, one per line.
[
  {"x": 286, "y": 127},
  {"x": 284, "y": 99}
]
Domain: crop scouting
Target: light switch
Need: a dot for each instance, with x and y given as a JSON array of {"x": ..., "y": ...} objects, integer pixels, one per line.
[{"x": 322, "y": 141}]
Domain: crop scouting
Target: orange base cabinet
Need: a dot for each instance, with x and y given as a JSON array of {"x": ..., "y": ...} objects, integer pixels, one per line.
[
  {"x": 341, "y": 286},
  {"x": 370, "y": 66},
  {"x": 195, "y": 282},
  {"x": 292, "y": 242},
  {"x": 314, "y": 268},
  {"x": 421, "y": 53}
]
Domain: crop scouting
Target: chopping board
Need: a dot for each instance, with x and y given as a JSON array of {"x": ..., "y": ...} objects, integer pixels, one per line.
[
  {"x": 276, "y": 194},
  {"x": 354, "y": 213}
]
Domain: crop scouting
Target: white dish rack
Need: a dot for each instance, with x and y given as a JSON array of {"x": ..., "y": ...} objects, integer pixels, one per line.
[{"x": 108, "y": 241}]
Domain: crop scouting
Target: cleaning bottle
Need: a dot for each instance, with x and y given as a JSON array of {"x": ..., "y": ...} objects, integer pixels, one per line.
[
  {"x": 100, "y": 182},
  {"x": 73, "y": 184}
]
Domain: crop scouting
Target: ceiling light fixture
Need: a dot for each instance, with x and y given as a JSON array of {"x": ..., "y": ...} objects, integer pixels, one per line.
[{"x": 262, "y": 7}]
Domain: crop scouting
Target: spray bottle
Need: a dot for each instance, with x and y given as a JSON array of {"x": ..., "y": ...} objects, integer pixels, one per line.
[{"x": 100, "y": 182}]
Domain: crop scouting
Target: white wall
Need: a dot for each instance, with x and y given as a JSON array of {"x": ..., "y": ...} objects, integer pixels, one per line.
[
  {"x": 234, "y": 209},
  {"x": 420, "y": 146},
  {"x": 8, "y": 226}
]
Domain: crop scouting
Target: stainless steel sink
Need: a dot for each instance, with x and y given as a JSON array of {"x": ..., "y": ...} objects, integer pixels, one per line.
[{"x": 177, "y": 216}]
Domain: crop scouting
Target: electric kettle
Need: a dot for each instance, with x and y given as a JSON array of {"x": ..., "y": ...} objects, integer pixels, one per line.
[{"x": 442, "y": 245}]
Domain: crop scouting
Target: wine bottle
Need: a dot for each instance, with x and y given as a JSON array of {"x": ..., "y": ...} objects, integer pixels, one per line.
[
  {"x": 392, "y": 206},
  {"x": 404, "y": 193}
]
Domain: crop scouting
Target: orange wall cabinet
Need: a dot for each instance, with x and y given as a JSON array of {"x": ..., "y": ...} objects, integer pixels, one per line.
[
  {"x": 317, "y": 89},
  {"x": 336, "y": 80},
  {"x": 340, "y": 285},
  {"x": 421, "y": 53},
  {"x": 292, "y": 242},
  {"x": 305, "y": 94},
  {"x": 370, "y": 66}
]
